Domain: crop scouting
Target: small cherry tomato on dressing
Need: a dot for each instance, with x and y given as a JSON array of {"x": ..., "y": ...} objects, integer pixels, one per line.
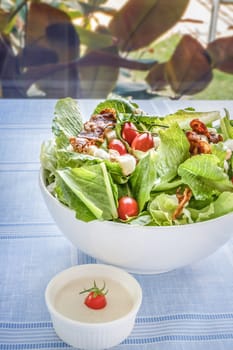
[
  {"x": 96, "y": 298},
  {"x": 143, "y": 142},
  {"x": 129, "y": 132},
  {"x": 118, "y": 146},
  {"x": 127, "y": 207}
]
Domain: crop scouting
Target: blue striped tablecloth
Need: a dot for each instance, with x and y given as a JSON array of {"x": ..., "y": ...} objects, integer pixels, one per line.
[{"x": 190, "y": 308}]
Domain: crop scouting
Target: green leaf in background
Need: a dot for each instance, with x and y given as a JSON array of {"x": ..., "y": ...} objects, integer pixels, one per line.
[
  {"x": 67, "y": 121},
  {"x": 143, "y": 179},
  {"x": 91, "y": 6},
  {"x": 96, "y": 2},
  {"x": 4, "y": 18},
  {"x": 204, "y": 176},
  {"x": 172, "y": 151},
  {"x": 93, "y": 40},
  {"x": 94, "y": 188}
]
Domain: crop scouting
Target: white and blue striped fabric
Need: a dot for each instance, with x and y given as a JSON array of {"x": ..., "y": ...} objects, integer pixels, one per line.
[{"x": 190, "y": 308}]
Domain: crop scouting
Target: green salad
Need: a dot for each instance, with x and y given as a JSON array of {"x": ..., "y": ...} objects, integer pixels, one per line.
[{"x": 124, "y": 165}]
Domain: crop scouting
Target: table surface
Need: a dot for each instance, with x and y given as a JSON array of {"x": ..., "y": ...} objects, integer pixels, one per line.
[{"x": 189, "y": 308}]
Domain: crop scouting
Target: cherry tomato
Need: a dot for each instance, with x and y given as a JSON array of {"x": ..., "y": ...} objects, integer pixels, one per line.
[
  {"x": 95, "y": 302},
  {"x": 143, "y": 142},
  {"x": 129, "y": 132},
  {"x": 96, "y": 298},
  {"x": 127, "y": 207},
  {"x": 117, "y": 145}
]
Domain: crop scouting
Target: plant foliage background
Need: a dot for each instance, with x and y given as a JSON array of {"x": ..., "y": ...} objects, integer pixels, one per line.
[{"x": 59, "y": 48}]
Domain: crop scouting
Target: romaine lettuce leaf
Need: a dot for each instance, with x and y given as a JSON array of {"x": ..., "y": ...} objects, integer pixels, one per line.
[
  {"x": 221, "y": 206},
  {"x": 219, "y": 150},
  {"x": 92, "y": 186},
  {"x": 204, "y": 176},
  {"x": 48, "y": 155},
  {"x": 226, "y": 127},
  {"x": 167, "y": 186},
  {"x": 120, "y": 104},
  {"x": 71, "y": 159},
  {"x": 182, "y": 117},
  {"x": 69, "y": 198},
  {"x": 143, "y": 178},
  {"x": 172, "y": 151},
  {"x": 162, "y": 208},
  {"x": 143, "y": 219},
  {"x": 67, "y": 121}
]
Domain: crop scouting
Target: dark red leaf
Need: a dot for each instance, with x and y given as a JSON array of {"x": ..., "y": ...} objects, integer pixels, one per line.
[
  {"x": 221, "y": 54},
  {"x": 63, "y": 32},
  {"x": 36, "y": 56},
  {"x": 189, "y": 70},
  {"x": 9, "y": 70},
  {"x": 138, "y": 22},
  {"x": 97, "y": 58},
  {"x": 52, "y": 29},
  {"x": 156, "y": 77}
]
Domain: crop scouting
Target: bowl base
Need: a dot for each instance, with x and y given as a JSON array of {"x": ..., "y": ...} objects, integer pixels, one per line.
[{"x": 137, "y": 271}]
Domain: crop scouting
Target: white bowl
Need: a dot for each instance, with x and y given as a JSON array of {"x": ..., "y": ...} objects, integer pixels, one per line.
[
  {"x": 93, "y": 335},
  {"x": 140, "y": 249}
]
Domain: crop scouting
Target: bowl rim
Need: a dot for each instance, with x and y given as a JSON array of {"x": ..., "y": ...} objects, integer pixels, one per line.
[
  {"x": 132, "y": 313},
  {"x": 160, "y": 228}
]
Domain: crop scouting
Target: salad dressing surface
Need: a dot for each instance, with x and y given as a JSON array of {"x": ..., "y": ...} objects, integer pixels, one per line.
[{"x": 70, "y": 303}]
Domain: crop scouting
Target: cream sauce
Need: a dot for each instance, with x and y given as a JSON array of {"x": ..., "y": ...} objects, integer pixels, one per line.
[{"x": 70, "y": 303}]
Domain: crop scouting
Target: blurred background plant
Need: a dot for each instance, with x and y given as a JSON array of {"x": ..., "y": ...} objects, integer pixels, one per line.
[{"x": 88, "y": 49}]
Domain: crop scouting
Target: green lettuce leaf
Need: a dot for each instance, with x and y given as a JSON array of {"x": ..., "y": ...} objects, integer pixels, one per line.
[
  {"x": 167, "y": 186},
  {"x": 204, "y": 176},
  {"x": 69, "y": 198},
  {"x": 48, "y": 155},
  {"x": 143, "y": 219},
  {"x": 162, "y": 208},
  {"x": 143, "y": 178},
  {"x": 71, "y": 159},
  {"x": 120, "y": 104},
  {"x": 218, "y": 149},
  {"x": 221, "y": 206},
  {"x": 67, "y": 121},
  {"x": 172, "y": 151},
  {"x": 93, "y": 187},
  {"x": 226, "y": 127},
  {"x": 182, "y": 117}
]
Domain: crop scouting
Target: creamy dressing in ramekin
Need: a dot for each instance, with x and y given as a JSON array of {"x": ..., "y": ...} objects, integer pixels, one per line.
[{"x": 70, "y": 303}]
